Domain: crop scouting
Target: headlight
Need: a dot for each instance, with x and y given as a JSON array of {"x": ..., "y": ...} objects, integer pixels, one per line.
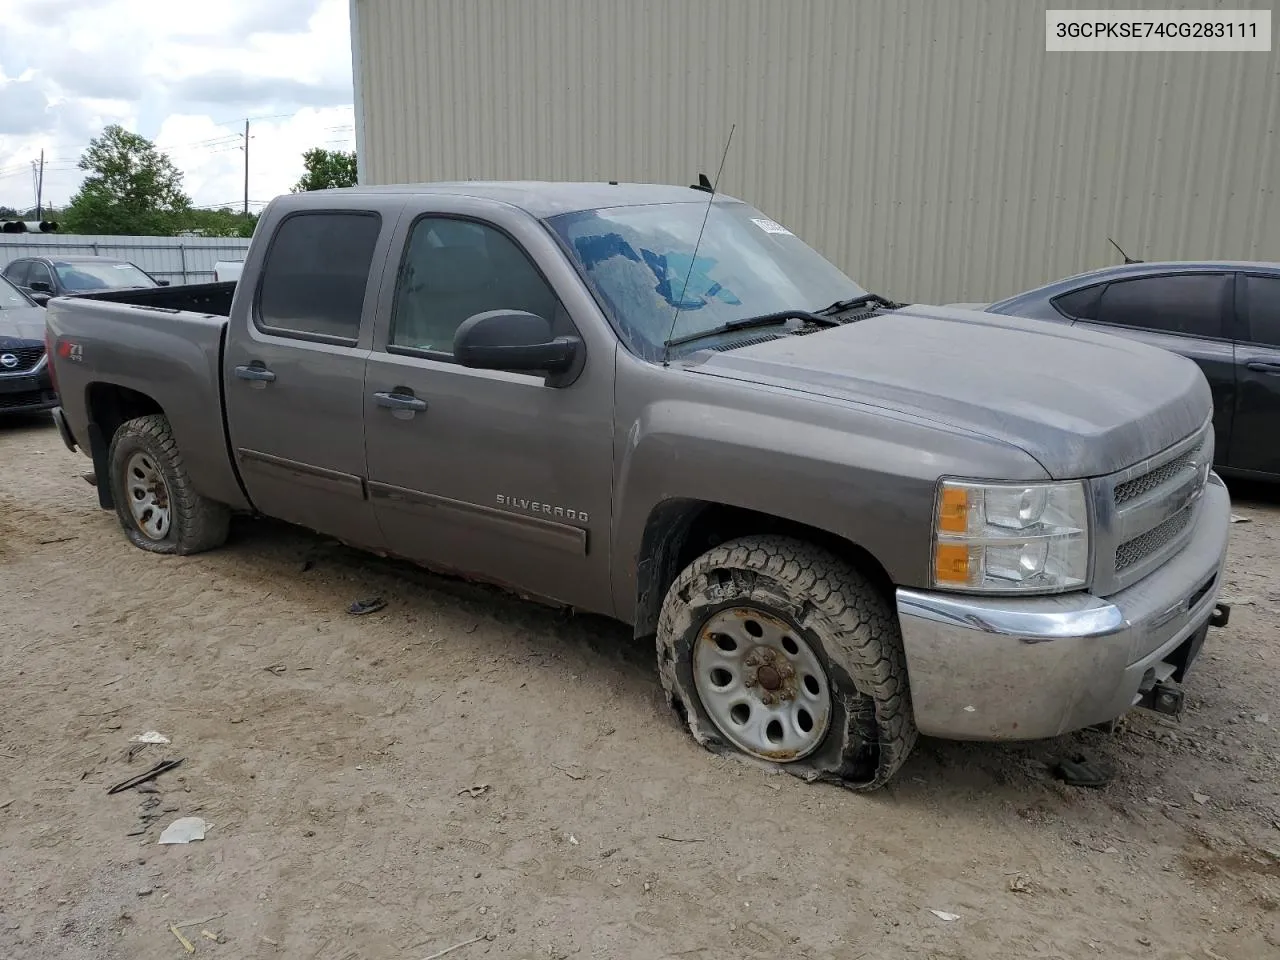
[{"x": 1011, "y": 538}]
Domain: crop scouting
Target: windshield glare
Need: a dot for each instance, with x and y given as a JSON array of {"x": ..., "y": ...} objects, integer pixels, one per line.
[
  {"x": 637, "y": 259},
  {"x": 11, "y": 298},
  {"x": 79, "y": 277}
]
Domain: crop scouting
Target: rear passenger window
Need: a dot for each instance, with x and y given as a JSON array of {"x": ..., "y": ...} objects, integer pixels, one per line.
[
  {"x": 1079, "y": 304},
  {"x": 1262, "y": 309},
  {"x": 1189, "y": 303},
  {"x": 17, "y": 272},
  {"x": 454, "y": 269},
  {"x": 316, "y": 271}
]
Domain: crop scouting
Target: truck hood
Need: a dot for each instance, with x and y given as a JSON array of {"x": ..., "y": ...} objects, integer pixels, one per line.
[
  {"x": 1081, "y": 403},
  {"x": 22, "y": 323}
]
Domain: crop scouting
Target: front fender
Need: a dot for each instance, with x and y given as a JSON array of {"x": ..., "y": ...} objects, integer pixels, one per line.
[{"x": 865, "y": 474}]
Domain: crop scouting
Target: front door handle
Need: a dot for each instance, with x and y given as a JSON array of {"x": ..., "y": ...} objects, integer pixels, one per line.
[
  {"x": 1263, "y": 366},
  {"x": 399, "y": 401},
  {"x": 252, "y": 372}
]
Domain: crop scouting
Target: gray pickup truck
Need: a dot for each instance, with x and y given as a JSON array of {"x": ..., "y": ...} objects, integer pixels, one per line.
[{"x": 843, "y": 520}]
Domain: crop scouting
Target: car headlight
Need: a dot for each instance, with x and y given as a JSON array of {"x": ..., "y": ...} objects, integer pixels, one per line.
[{"x": 1011, "y": 537}]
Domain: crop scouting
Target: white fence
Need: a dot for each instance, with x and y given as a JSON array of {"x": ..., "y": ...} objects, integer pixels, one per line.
[{"x": 176, "y": 259}]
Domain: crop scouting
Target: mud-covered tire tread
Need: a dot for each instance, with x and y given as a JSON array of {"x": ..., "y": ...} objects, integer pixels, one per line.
[
  {"x": 854, "y": 622},
  {"x": 198, "y": 523}
]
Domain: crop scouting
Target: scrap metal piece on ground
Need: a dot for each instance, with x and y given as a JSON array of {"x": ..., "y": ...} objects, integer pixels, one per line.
[
  {"x": 1079, "y": 771},
  {"x": 360, "y": 607},
  {"x": 164, "y": 766}
]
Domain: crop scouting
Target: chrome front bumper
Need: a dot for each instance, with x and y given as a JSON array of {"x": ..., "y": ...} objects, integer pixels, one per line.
[{"x": 1021, "y": 669}]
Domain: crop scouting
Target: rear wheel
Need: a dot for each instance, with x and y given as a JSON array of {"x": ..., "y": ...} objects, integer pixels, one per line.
[
  {"x": 155, "y": 502},
  {"x": 782, "y": 651}
]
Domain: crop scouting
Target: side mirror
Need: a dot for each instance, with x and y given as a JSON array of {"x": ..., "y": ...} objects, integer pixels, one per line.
[
  {"x": 513, "y": 340},
  {"x": 163, "y": 283},
  {"x": 41, "y": 286},
  {"x": 41, "y": 299}
]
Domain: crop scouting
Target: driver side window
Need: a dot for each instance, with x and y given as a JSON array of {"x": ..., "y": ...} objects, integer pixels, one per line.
[
  {"x": 39, "y": 272},
  {"x": 452, "y": 270}
]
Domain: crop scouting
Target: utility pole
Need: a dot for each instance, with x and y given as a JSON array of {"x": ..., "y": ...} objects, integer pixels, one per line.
[
  {"x": 246, "y": 169},
  {"x": 40, "y": 188}
]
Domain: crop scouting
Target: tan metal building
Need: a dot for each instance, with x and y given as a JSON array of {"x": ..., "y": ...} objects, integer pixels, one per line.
[{"x": 931, "y": 148}]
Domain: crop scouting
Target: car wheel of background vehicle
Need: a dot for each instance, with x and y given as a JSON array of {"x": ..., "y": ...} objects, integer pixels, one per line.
[
  {"x": 156, "y": 504},
  {"x": 780, "y": 650}
]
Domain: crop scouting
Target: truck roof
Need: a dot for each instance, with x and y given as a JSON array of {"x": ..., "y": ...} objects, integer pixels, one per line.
[{"x": 541, "y": 198}]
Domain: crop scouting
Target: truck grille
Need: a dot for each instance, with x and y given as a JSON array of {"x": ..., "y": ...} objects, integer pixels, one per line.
[
  {"x": 1136, "y": 487},
  {"x": 1139, "y": 548},
  {"x": 1145, "y": 513},
  {"x": 28, "y": 359}
]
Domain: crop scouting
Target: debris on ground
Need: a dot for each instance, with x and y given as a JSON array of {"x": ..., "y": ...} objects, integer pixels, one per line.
[
  {"x": 1200, "y": 798},
  {"x": 456, "y": 946},
  {"x": 1020, "y": 883},
  {"x": 276, "y": 668},
  {"x": 184, "y": 830},
  {"x": 1079, "y": 771},
  {"x": 360, "y": 607},
  {"x": 151, "y": 736},
  {"x": 164, "y": 766},
  {"x": 1236, "y": 518},
  {"x": 479, "y": 790},
  {"x": 186, "y": 944},
  {"x": 944, "y": 916}
]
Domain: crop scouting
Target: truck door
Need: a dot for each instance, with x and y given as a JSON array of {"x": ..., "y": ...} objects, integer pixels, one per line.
[
  {"x": 491, "y": 474},
  {"x": 295, "y": 366},
  {"x": 1254, "y": 443}
]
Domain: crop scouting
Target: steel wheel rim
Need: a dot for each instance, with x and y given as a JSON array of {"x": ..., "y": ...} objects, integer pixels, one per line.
[
  {"x": 761, "y": 684},
  {"x": 148, "y": 496}
]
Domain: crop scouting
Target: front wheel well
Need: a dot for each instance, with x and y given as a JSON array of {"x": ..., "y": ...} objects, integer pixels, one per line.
[
  {"x": 110, "y": 406},
  {"x": 678, "y": 531}
]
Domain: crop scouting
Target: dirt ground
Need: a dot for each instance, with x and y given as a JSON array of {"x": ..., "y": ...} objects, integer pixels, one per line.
[{"x": 336, "y": 757}]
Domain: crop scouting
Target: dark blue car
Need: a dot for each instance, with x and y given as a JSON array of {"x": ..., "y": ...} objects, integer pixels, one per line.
[{"x": 1224, "y": 315}]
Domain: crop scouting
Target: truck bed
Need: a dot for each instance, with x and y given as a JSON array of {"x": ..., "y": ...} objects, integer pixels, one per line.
[
  {"x": 210, "y": 299},
  {"x": 133, "y": 352}
]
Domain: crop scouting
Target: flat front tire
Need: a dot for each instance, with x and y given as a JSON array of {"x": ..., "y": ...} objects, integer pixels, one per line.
[
  {"x": 155, "y": 501},
  {"x": 775, "y": 648}
]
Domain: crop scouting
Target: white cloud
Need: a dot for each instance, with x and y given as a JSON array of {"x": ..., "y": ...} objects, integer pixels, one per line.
[{"x": 182, "y": 75}]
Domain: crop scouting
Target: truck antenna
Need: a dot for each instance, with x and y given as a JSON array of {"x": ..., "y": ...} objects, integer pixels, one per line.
[
  {"x": 712, "y": 188},
  {"x": 1127, "y": 258}
]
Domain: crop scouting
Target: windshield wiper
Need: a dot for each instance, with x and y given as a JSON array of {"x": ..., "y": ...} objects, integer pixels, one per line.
[
  {"x": 747, "y": 323},
  {"x": 866, "y": 300}
]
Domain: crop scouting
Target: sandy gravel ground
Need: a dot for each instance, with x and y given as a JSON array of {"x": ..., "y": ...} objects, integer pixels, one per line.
[{"x": 465, "y": 765}]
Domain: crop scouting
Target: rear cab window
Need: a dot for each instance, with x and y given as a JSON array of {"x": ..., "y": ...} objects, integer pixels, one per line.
[{"x": 315, "y": 275}]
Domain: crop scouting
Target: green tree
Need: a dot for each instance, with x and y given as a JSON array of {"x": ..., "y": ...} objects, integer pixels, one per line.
[
  {"x": 326, "y": 169},
  {"x": 223, "y": 222},
  {"x": 131, "y": 188}
]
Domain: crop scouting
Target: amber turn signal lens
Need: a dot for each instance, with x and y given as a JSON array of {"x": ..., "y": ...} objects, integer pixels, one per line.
[
  {"x": 951, "y": 563},
  {"x": 953, "y": 510}
]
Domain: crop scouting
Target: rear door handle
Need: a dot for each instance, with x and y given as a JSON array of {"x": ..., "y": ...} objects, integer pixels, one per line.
[
  {"x": 399, "y": 401},
  {"x": 1263, "y": 366},
  {"x": 255, "y": 373}
]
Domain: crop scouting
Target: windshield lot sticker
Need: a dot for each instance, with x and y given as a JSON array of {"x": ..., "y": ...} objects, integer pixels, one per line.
[{"x": 771, "y": 226}]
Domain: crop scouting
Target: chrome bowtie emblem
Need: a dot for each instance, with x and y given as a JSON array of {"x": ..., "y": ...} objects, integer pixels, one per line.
[{"x": 8, "y": 361}]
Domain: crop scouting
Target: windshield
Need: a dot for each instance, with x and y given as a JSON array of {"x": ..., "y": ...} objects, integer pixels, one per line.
[
  {"x": 11, "y": 298},
  {"x": 78, "y": 277},
  {"x": 637, "y": 259}
]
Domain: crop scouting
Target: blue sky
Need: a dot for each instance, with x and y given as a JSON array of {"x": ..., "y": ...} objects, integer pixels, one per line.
[{"x": 182, "y": 74}]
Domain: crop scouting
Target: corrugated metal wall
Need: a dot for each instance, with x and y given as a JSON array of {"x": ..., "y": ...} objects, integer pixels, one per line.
[
  {"x": 932, "y": 148},
  {"x": 176, "y": 259}
]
